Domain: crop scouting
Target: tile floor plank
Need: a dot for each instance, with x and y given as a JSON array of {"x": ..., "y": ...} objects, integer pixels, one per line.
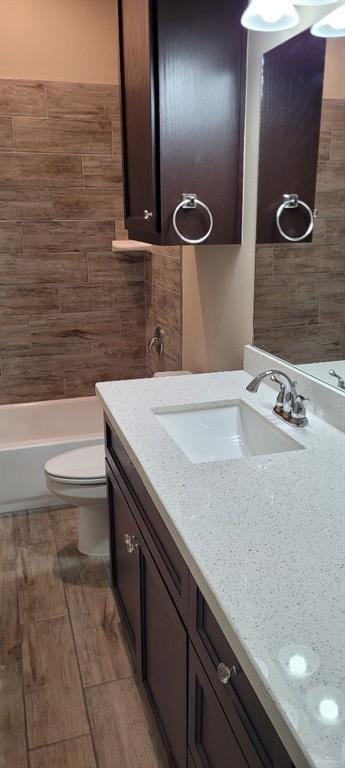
[
  {"x": 75, "y": 567},
  {"x": 32, "y": 528},
  {"x": 12, "y": 721},
  {"x": 97, "y": 631},
  {"x": 53, "y": 695},
  {"x": 73, "y": 753},
  {"x": 121, "y": 727},
  {"x": 9, "y": 620},
  {"x": 64, "y": 513},
  {"x": 40, "y": 588},
  {"x": 54, "y": 717}
]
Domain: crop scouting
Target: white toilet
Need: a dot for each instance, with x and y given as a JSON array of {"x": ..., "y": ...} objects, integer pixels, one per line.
[{"x": 78, "y": 478}]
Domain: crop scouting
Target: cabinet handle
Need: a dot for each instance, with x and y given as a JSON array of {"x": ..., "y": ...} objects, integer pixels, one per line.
[
  {"x": 225, "y": 673},
  {"x": 147, "y": 214},
  {"x": 131, "y": 543}
]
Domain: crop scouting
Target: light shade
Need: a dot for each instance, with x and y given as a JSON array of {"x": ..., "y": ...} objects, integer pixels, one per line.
[
  {"x": 332, "y": 25},
  {"x": 270, "y": 15},
  {"x": 314, "y": 2}
]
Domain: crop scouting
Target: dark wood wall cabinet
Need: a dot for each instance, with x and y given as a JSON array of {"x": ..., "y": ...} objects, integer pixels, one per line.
[
  {"x": 183, "y": 88},
  {"x": 205, "y": 707},
  {"x": 289, "y": 135}
]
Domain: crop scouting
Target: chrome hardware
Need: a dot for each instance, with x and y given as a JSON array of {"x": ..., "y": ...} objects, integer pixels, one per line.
[
  {"x": 298, "y": 413},
  {"x": 289, "y": 404},
  {"x": 281, "y": 399},
  {"x": 226, "y": 673},
  {"x": 189, "y": 202},
  {"x": 291, "y": 202},
  {"x": 131, "y": 543},
  {"x": 157, "y": 341},
  {"x": 147, "y": 214},
  {"x": 341, "y": 382}
]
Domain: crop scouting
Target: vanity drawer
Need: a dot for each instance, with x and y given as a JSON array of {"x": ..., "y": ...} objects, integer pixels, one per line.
[
  {"x": 213, "y": 649},
  {"x": 167, "y": 556},
  {"x": 215, "y": 739}
]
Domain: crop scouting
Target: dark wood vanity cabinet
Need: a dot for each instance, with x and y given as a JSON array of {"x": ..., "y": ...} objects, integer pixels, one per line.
[
  {"x": 177, "y": 645},
  {"x": 182, "y": 93}
]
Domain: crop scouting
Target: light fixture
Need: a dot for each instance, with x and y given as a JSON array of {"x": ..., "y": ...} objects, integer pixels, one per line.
[
  {"x": 332, "y": 25},
  {"x": 314, "y": 2},
  {"x": 270, "y": 15}
]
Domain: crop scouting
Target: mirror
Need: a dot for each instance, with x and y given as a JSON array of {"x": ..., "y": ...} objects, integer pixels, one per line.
[{"x": 299, "y": 312}]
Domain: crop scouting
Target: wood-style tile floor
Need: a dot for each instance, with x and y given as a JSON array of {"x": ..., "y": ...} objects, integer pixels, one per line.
[{"x": 68, "y": 697}]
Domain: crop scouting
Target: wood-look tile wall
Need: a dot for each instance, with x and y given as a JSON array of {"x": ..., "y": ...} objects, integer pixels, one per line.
[
  {"x": 299, "y": 312},
  {"x": 71, "y": 311},
  {"x": 163, "y": 296}
]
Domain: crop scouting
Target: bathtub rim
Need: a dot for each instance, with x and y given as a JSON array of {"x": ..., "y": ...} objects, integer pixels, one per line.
[
  {"x": 56, "y": 401},
  {"x": 42, "y": 404}
]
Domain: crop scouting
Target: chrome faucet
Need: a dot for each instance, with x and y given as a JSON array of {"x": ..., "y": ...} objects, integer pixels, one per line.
[
  {"x": 289, "y": 405},
  {"x": 341, "y": 382},
  {"x": 157, "y": 341}
]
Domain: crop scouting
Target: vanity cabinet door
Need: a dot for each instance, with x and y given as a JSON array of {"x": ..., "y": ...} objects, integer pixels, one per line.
[
  {"x": 237, "y": 697},
  {"x": 164, "y": 659},
  {"x": 125, "y": 567},
  {"x": 155, "y": 630},
  {"x": 138, "y": 120},
  {"x": 212, "y": 742}
]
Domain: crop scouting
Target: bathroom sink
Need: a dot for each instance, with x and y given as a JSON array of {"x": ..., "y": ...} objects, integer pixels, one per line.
[{"x": 216, "y": 432}]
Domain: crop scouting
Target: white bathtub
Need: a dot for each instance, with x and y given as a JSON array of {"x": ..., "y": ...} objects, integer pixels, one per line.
[{"x": 30, "y": 434}]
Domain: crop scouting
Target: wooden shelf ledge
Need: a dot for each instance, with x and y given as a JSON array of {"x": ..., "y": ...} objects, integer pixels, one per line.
[{"x": 130, "y": 245}]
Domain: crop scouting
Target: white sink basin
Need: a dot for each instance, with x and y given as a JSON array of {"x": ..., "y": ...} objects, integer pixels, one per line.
[{"x": 232, "y": 430}]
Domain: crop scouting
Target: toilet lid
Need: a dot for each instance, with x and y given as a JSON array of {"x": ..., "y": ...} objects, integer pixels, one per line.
[{"x": 85, "y": 465}]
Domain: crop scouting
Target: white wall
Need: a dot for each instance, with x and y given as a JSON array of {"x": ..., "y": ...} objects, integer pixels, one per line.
[
  {"x": 68, "y": 40},
  {"x": 218, "y": 282}
]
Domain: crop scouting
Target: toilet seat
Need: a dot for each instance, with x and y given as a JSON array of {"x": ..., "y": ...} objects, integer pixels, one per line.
[{"x": 84, "y": 466}]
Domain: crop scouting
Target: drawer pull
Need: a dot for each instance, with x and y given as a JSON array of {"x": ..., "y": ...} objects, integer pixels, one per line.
[
  {"x": 226, "y": 673},
  {"x": 131, "y": 543}
]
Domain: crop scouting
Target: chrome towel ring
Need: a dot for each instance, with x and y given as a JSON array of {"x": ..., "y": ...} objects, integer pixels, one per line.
[
  {"x": 293, "y": 201},
  {"x": 190, "y": 202}
]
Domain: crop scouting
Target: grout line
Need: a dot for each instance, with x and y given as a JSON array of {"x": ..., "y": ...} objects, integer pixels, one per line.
[
  {"x": 20, "y": 655},
  {"x": 46, "y": 618},
  {"x": 64, "y": 153},
  {"x": 111, "y": 681},
  {"x": 78, "y": 667},
  {"x": 60, "y": 741}
]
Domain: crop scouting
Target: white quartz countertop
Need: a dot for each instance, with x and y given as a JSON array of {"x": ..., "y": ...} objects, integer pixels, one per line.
[{"x": 264, "y": 538}]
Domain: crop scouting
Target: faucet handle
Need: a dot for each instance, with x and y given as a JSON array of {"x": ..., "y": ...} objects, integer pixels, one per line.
[
  {"x": 341, "y": 381},
  {"x": 281, "y": 398},
  {"x": 283, "y": 406},
  {"x": 299, "y": 413}
]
